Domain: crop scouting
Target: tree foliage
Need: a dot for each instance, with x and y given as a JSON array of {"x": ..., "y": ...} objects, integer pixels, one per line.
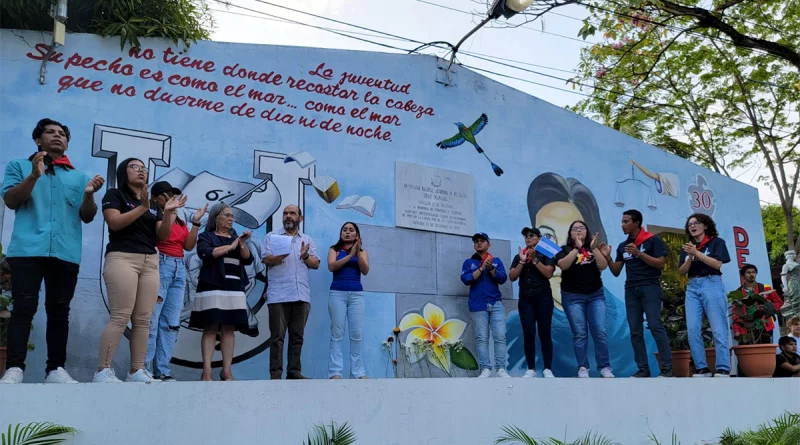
[
  {"x": 662, "y": 77},
  {"x": 177, "y": 20},
  {"x": 775, "y": 232}
]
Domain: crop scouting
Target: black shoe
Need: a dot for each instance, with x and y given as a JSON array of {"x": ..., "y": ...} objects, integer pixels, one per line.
[
  {"x": 704, "y": 372},
  {"x": 297, "y": 376},
  {"x": 722, "y": 373},
  {"x": 167, "y": 378},
  {"x": 667, "y": 373},
  {"x": 642, "y": 374},
  {"x": 275, "y": 376}
]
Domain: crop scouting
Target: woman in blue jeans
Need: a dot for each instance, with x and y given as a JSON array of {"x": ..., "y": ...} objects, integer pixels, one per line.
[
  {"x": 348, "y": 261},
  {"x": 583, "y": 298},
  {"x": 166, "y": 318},
  {"x": 702, "y": 259}
]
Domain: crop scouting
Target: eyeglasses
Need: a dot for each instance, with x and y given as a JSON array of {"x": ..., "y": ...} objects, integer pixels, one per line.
[
  {"x": 578, "y": 229},
  {"x": 138, "y": 168},
  {"x": 227, "y": 215},
  {"x": 694, "y": 224}
]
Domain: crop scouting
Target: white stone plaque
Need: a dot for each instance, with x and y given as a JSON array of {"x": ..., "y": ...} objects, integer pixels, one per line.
[{"x": 434, "y": 199}]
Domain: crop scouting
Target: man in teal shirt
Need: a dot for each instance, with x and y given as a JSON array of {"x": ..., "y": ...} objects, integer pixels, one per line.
[{"x": 50, "y": 199}]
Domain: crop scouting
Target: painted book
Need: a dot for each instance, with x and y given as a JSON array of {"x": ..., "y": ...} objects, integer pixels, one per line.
[
  {"x": 303, "y": 158},
  {"x": 327, "y": 188},
  {"x": 363, "y": 204}
]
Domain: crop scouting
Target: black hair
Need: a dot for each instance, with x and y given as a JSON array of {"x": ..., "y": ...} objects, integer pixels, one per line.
[
  {"x": 702, "y": 218},
  {"x": 339, "y": 244},
  {"x": 587, "y": 242},
  {"x": 746, "y": 267},
  {"x": 783, "y": 341},
  {"x": 40, "y": 126},
  {"x": 122, "y": 178},
  {"x": 636, "y": 216},
  {"x": 550, "y": 187}
]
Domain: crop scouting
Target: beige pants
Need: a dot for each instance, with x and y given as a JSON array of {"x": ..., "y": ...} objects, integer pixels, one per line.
[{"x": 132, "y": 282}]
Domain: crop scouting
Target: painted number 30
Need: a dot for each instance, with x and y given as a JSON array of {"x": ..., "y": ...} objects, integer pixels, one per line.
[{"x": 701, "y": 200}]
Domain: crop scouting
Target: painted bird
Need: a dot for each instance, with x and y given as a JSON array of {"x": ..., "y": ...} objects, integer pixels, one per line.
[{"x": 468, "y": 134}]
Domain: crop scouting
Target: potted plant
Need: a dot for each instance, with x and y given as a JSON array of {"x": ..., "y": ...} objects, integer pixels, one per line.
[
  {"x": 752, "y": 320},
  {"x": 673, "y": 318}
]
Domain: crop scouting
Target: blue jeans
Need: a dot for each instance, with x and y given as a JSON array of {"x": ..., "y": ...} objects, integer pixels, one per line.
[
  {"x": 706, "y": 295},
  {"x": 647, "y": 300},
  {"x": 494, "y": 318},
  {"x": 587, "y": 313},
  {"x": 166, "y": 319},
  {"x": 349, "y": 305}
]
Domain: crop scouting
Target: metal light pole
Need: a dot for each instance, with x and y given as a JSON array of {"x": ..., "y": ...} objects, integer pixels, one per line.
[{"x": 59, "y": 14}]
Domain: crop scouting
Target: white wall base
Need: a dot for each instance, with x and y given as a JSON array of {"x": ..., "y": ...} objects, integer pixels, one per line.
[{"x": 400, "y": 412}]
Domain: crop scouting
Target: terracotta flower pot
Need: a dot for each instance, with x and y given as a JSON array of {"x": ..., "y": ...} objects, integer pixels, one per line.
[
  {"x": 2, "y": 359},
  {"x": 756, "y": 360},
  {"x": 680, "y": 362},
  {"x": 711, "y": 359}
]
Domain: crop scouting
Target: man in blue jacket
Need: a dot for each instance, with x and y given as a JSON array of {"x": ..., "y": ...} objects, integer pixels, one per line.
[{"x": 484, "y": 274}]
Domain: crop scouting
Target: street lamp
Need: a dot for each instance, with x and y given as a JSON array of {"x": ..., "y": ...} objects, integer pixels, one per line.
[
  {"x": 58, "y": 12},
  {"x": 505, "y": 8}
]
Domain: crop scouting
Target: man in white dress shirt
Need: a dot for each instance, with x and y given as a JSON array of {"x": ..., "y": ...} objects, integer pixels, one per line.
[{"x": 288, "y": 293}]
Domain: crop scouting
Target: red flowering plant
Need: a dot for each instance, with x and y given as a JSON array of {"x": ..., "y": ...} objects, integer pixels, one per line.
[{"x": 752, "y": 315}]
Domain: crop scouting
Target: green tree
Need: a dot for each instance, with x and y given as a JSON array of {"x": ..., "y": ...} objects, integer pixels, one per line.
[
  {"x": 775, "y": 232},
  {"x": 662, "y": 77},
  {"x": 177, "y": 20}
]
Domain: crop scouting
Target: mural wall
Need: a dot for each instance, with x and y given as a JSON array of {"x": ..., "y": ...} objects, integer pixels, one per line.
[{"x": 260, "y": 127}]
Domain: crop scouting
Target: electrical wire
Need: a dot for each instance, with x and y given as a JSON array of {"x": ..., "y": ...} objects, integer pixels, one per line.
[
  {"x": 469, "y": 53},
  {"x": 521, "y": 26},
  {"x": 227, "y": 3}
]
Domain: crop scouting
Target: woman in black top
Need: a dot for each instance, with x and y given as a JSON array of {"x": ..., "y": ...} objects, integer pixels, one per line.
[
  {"x": 535, "y": 305},
  {"x": 220, "y": 304},
  {"x": 702, "y": 259},
  {"x": 583, "y": 296},
  {"x": 130, "y": 270}
]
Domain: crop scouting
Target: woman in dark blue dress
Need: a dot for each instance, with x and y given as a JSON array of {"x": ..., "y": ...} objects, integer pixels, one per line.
[{"x": 220, "y": 303}]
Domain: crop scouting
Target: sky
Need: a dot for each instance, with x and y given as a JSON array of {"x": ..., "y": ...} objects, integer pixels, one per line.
[{"x": 550, "y": 48}]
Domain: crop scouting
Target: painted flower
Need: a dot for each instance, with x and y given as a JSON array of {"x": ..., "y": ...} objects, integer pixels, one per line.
[{"x": 431, "y": 327}]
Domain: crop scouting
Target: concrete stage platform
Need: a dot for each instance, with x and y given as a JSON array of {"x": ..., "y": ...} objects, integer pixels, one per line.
[{"x": 400, "y": 412}]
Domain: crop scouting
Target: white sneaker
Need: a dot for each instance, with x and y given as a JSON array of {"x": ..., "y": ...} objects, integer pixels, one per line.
[
  {"x": 606, "y": 373},
  {"x": 485, "y": 374},
  {"x": 107, "y": 375},
  {"x": 583, "y": 373},
  {"x": 548, "y": 374},
  {"x": 502, "y": 373},
  {"x": 141, "y": 376},
  {"x": 59, "y": 375},
  {"x": 529, "y": 374},
  {"x": 12, "y": 375}
]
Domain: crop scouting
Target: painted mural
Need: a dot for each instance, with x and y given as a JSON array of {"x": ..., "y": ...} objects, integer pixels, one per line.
[{"x": 260, "y": 127}]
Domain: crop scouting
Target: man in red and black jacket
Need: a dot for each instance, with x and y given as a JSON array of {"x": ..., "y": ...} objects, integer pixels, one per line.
[{"x": 748, "y": 272}]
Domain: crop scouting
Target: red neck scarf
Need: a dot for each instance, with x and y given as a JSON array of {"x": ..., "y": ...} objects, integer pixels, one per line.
[
  {"x": 62, "y": 161},
  {"x": 706, "y": 239},
  {"x": 643, "y": 236}
]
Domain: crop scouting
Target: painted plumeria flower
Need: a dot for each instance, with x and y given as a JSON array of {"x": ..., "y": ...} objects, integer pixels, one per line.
[{"x": 431, "y": 328}]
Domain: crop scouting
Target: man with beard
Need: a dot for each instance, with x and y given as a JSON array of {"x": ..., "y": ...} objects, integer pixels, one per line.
[
  {"x": 288, "y": 294},
  {"x": 50, "y": 199}
]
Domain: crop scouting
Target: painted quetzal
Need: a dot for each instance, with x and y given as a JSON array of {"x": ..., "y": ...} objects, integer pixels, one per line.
[{"x": 468, "y": 134}]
